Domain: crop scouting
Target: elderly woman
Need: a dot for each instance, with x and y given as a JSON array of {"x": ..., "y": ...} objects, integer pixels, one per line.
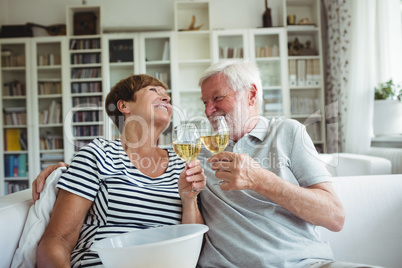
[{"x": 118, "y": 186}]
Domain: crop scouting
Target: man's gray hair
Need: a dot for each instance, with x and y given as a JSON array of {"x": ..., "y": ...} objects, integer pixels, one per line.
[{"x": 241, "y": 74}]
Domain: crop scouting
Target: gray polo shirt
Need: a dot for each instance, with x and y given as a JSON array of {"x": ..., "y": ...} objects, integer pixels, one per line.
[{"x": 246, "y": 228}]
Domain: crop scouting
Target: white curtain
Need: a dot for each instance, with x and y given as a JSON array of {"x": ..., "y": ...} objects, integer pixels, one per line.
[{"x": 376, "y": 56}]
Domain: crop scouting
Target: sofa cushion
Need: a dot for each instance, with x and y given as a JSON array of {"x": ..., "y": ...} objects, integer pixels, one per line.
[
  {"x": 372, "y": 232},
  {"x": 36, "y": 223}
]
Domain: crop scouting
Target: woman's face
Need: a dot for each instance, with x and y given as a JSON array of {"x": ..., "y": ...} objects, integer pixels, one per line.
[{"x": 152, "y": 104}]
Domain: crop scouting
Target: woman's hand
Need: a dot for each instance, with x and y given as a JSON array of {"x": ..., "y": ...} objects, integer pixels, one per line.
[
  {"x": 39, "y": 182},
  {"x": 191, "y": 176}
]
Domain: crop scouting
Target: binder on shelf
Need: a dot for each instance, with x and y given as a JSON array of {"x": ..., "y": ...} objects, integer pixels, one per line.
[
  {"x": 309, "y": 73},
  {"x": 301, "y": 72},
  {"x": 316, "y": 72},
  {"x": 292, "y": 73},
  {"x": 275, "y": 51},
  {"x": 166, "y": 54}
]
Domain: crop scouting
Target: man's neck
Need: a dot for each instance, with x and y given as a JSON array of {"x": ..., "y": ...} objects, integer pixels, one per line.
[{"x": 247, "y": 128}]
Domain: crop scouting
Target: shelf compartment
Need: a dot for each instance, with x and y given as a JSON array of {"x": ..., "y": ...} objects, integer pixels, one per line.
[{"x": 185, "y": 10}]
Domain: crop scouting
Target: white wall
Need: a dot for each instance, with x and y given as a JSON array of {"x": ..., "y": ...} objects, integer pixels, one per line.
[{"x": 136, "y": 14}]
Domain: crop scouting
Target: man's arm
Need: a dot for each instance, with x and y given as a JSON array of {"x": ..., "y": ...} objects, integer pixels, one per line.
[
  {"x": 317, "y": 204},
  {"x": 39, "y": 182}
]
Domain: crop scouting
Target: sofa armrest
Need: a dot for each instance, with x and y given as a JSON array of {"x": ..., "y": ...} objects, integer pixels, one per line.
[
  {"x": 345, "y": 164},
  {"x": 13, "y": 213}
]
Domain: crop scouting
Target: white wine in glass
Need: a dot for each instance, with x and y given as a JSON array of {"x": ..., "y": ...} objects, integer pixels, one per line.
[
  {"x": 186, "y": 144},
  {"x": 215, "y": 135}
]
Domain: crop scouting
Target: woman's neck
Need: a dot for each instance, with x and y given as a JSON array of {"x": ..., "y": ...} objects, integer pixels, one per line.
[{"x": 139, "y": 138}]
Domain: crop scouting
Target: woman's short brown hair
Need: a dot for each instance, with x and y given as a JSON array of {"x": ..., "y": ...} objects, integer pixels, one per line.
[{"x": 125, "y": 90}]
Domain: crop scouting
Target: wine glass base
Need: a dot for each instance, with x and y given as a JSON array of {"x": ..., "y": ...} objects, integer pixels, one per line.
[
  {"x": 220, "y": 182},
  {"x": 193, "y": 191}
]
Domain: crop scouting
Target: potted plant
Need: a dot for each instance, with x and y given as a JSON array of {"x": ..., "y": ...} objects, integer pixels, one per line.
[{"x": 387, "y": 119}]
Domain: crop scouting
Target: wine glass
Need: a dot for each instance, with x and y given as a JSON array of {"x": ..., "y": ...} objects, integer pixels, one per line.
[
  {"x": 215, "y": 135},
  {"x": 186, "y": 144}
]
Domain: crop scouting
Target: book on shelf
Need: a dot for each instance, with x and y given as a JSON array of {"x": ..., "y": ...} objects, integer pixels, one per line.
[
  {"x": 15, "y": 165},
  {"x": 230, "y": 52},
  {"x": 51, "y": 142},
  {"x": 12, "y": 140},
  {"x": 13, "y": 60},
  {"x": 304, "y": 72},
  {"x": 47, "y": 88},
  {"x": 303, "y": 105},
  {"x": 23, "y": 141},
  {"x": 49, "y": 59},
  {"x": 85, "y": 44},
  {"x": 15, "y": 116},
  {"x": 267, "y": 51},
  {"x": 22, "y": 165},
  {"x": 166, "y": 54},
  {"x": 51, "y": 115},
  {"x": 14, "y": 88},
  {"x": 12, "y": 187}
]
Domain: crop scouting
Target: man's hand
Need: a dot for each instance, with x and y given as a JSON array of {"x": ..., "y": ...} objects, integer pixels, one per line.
[
  {"x": 238, "y": 171},
  {"x": 39, "y": 182}
]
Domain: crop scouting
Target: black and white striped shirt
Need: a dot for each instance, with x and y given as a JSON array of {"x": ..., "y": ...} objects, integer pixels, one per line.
[{"x": 124, "y": 199}]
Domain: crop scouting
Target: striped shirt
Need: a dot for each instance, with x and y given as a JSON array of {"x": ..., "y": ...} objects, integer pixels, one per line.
[{"x": 124, "y": 199}]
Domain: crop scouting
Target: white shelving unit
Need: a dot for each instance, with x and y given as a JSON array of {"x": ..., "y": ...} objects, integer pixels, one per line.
[
  {"x": 306, "y": 83},
  {"x": 194, "y": 55},
  {"x": 138, "y": 53},
  {"x": 16, "y": 156},
  {"x": 177, "y": 57}
]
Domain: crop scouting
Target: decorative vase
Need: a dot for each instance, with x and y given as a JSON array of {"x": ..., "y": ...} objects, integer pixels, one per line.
[{"x": 266, "y": 17}]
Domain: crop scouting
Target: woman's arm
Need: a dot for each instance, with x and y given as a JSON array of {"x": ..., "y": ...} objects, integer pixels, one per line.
[
  {"x": 62, "y": 233},
  {"x": 192, "y": 174}
]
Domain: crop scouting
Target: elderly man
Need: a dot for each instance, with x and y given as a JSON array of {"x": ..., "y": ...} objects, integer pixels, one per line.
[{"x": 275, "y": 190}]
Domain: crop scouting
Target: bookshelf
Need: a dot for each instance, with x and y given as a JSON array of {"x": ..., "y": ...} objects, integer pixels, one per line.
[
  {"x": 305, "y": 77},
  {"x": 268, "y": 50},
  {"x": 48, "y": 81},
  {"x": 86, "y": 91},
  {"x": 85, "y": 120},
  {"x": 137, "y": 53},
  {"x": 75, "y": 72},
  {"x": 16, "y": 151}
]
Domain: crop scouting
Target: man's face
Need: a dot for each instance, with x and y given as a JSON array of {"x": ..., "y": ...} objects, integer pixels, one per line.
[{"x": 220, "y": 99}]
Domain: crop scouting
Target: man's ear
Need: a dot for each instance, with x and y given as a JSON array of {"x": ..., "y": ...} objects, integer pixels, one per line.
[
  {"x": 252, "y": 95},
  {"x": 123, "y": 107}
]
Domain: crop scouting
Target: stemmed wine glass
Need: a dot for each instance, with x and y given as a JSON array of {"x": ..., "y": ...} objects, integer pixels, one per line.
[
  {"x": 215, "y": 135},
  {"x": 186, "y": 144}
]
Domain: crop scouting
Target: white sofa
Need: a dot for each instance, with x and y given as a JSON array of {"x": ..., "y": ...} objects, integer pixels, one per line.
[{"x": 372, "y": 233}]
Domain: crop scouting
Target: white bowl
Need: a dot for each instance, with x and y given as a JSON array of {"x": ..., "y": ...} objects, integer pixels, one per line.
[{"x": 166, "y": 246}]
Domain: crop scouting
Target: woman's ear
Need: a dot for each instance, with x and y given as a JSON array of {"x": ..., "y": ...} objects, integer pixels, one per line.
[
  {"x": 123, "y": 107},
  {"x": 252, "y": 95}
]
